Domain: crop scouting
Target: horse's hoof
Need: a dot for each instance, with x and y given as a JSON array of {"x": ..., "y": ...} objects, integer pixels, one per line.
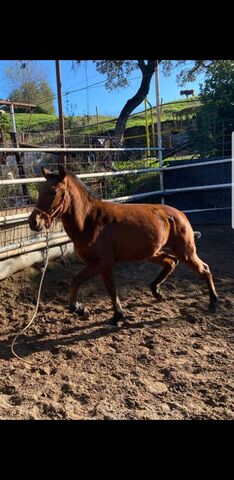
[
  {"x": 112, "y": 324},
  {"x": 118, "y": 316},
  {"x": 213, "y": 307},
  {"x": 159, "y": 297},
  {"x": 115, "y": 319},
  {"x": 156, "y": 293},
  {"x": 83, "y": 312}
]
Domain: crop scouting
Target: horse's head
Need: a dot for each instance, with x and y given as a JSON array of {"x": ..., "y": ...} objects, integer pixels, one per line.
[{"x": 51, "y": 200}]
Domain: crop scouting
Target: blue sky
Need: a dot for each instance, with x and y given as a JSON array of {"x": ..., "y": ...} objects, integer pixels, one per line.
[{"x": 108, "y": 103}]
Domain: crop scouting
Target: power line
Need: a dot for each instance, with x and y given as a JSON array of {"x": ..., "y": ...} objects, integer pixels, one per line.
[
  {"x": 98, "y": 85},
  {"x": 68, "y": 92},
  {"x": 82, "y": 81},
  {"x": 94, "y": 85}
]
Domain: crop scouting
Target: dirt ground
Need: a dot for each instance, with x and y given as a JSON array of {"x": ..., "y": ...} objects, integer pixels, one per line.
[{"x": 169, "y": 360}]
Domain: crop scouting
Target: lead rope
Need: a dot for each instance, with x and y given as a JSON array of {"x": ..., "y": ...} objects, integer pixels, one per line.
[{"x": 37, "y": 304}]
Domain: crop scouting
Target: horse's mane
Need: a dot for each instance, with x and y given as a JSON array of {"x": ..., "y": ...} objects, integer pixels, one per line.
[{"x": 81, "y": 185}]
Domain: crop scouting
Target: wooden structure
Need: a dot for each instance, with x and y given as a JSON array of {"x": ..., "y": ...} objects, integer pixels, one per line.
[{"x": 15, "y": 144}]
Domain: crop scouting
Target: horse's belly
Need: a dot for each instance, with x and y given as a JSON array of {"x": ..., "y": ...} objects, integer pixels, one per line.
[{"x": 132, "y": 244}]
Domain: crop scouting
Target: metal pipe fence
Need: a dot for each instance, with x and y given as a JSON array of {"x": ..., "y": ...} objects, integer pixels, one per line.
[{"x": 124, "y": 181}]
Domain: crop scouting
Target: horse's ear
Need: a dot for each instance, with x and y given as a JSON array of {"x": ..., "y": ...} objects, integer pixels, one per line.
[
  {"x": 62, "y": 172},
  {"x": 46, "y": 173}
]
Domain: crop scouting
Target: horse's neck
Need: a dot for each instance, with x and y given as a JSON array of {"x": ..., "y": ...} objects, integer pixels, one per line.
[{"x": 80, "y": 205}]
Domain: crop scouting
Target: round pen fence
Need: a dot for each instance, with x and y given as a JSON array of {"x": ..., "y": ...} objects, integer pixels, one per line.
[{"x": 200, "y": 188}]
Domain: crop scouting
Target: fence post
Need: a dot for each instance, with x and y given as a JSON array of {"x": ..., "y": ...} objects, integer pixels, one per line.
[
  {"x": 147, "y": 128},
  {"x": 152, "y": 123},
  {"x": 159, "y": 127}
]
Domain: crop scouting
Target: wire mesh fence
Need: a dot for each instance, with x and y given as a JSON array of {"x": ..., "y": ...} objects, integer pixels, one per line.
[
  {"x": 15, "y": 205},
  {"x": 115, "y": 174}
]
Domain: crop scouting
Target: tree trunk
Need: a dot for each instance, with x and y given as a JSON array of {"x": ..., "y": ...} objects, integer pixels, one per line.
[{"x": 132, "y": 103}]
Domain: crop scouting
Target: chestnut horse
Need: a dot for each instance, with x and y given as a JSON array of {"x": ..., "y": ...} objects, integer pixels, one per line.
[{"x": 105, "y": 233}]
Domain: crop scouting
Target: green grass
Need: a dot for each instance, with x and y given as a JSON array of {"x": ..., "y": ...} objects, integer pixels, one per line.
[
  {"x": 80, "y": 124},
  {"x": 37, "y": 120},
  {"x": 41, "y": 121},
  {"x": 166, "y": 112}
]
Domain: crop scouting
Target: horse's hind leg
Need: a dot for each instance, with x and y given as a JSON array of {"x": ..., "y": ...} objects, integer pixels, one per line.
[
  {"x": 169, "y": 262},
  {"x": 108, "y": 280},
  {"x": 203, "y": 269}
]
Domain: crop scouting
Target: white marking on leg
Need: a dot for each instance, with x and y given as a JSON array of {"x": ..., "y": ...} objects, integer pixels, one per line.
[{"x": 118, "y": 305}]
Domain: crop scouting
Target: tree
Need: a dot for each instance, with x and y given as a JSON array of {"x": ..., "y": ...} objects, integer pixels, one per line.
[
  {"x": 4, "y": 121},
  {"x": 189, "y": 69},
  {"x": 117, "y": 73},
  {"x": 19, "y": 73},
  {"x": 30, "y": 86},
  {"x": 45, "y": 98},
  {"x": 215, "y": 119},
  {"x": 217, "y": 94}
]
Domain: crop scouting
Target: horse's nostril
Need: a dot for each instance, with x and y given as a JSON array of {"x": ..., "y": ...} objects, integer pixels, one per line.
[{"x": 33, "y": 223}]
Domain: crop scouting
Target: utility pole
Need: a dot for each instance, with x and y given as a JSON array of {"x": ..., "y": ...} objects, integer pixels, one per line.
[
  {"x": 62, "y": 157},
  {"x": 159, "y": 126}
]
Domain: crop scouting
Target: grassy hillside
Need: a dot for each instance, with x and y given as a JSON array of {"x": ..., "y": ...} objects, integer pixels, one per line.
[
  {"x": 80, "y": 124},
  {"x": 166, "y": 112},
  {"x": 41, "y": 121}
]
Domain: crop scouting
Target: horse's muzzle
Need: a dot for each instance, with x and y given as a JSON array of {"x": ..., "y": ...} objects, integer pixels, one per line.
[{"x": 36, "y": 223}]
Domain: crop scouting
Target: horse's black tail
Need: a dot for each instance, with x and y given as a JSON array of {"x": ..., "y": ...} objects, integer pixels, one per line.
[{"x": 197, "y": 234}]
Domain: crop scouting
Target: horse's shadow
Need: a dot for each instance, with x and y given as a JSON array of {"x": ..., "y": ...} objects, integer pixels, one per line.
[{"x": 37, "y": 343}]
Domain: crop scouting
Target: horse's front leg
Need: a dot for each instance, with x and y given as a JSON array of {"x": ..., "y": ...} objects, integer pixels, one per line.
[
  {"x": 88, "y": 272},
  {"x": 109, "y": 282}
]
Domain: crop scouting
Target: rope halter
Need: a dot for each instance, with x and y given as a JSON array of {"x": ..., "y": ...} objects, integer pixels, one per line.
[{"x": 53, "y": 212}]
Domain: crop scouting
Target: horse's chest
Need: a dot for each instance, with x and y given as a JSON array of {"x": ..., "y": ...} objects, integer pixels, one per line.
[{"x": 86, "y": 255}]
